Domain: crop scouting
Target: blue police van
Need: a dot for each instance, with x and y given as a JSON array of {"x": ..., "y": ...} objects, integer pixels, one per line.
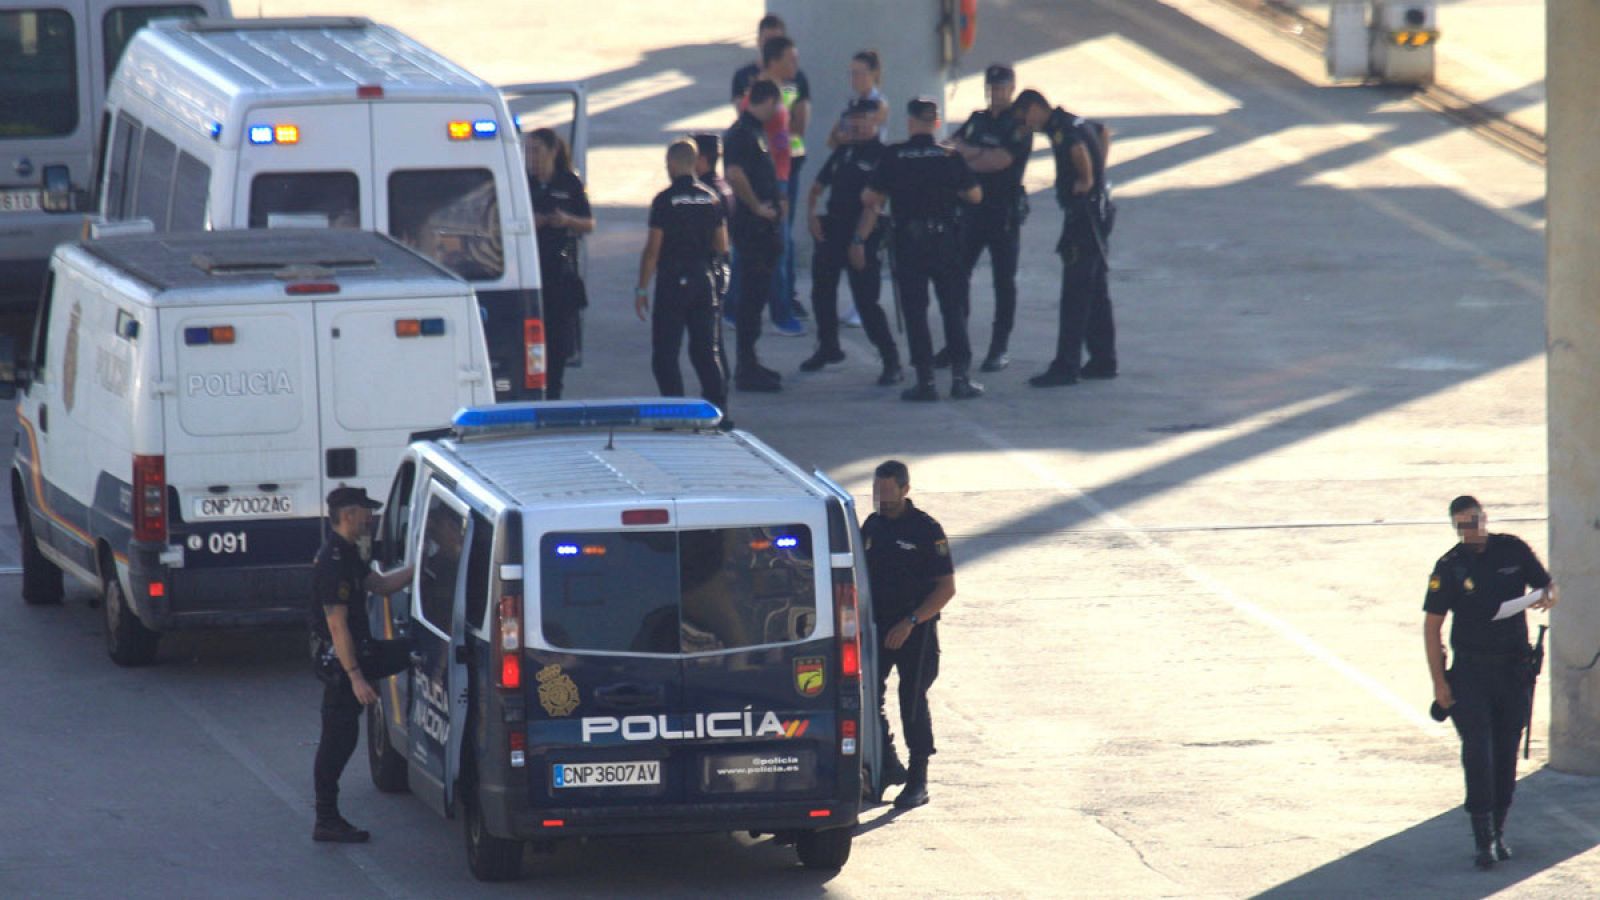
[{"x": 625, "y": 620}]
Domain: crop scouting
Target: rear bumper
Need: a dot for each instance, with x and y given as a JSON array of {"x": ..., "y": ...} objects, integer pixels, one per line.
[
  {"x": 769, "y": 817},
  {"x": 217, "y": 598}
]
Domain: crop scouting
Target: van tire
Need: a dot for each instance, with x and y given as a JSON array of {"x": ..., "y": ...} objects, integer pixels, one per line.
[
  {"x": 41, "y": 578},
  {"x": 490, "y": 858},
  {"x": 827, "y": 848},
  {"x": 390, "y": 773},
  {"x": 127, "y": 640}
]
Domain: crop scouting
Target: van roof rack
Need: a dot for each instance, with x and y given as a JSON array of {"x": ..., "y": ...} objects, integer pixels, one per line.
[{"x": 202, "y": 259}]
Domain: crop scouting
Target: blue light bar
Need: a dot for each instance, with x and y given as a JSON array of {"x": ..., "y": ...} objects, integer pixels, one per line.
[
  {"x": 215, "y": 130},
  {"x": 193, "y": 336},
  {"x": 432, "y": 327},
  {"x": 652, "y": 412},
  {"x": 567, "y": 550},
  {"x": 786, "y": 543},
  {"x": 485, "y": 128},
  {"x": 261, "y": 134}
]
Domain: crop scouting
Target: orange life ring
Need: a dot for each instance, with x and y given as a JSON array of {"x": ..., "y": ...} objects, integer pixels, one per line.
[{"x": 969, "y": 24}]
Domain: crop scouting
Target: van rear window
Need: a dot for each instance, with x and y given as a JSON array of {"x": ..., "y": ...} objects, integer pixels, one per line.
[
  {"x": 38, "y": 73},
  {"x": 336, "y": 195},
  {"x": 694, "y": 591},
  {"x": 451, "y": 216}
]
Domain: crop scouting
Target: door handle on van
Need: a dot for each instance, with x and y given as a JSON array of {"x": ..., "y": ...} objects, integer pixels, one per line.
[
  {"x": 44, "y": 417},
  {"x": 630, "y": 696}
]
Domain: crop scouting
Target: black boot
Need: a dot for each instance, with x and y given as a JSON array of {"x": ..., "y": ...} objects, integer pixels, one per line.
[
  {"x": 334, "y": 829},
  {"x": 923, "y": 391},
  {"x": 822, "y": 357},
  {"x": 1501, "y": 851},
  {"x": 1483, "y": 837},
  {"x": 916, "y": 789},
  {"x": 964, "y": 388},
  {"x": 891, "y": 374},
  {"x": 894, "y": 772},
  {"x": 996, "y": 359}
]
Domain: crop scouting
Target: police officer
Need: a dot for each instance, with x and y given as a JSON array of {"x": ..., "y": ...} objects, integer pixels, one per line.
[
  {"x": 1488, "y": 692},
  {"x": 912, "y": 580},
  {"x": 924, "y": 183},
  {"x": 562, "y": 217},
  {"x": 844, "y": 176},
  {"x": 688, "y": 233},
  {"x": 346, "y": 656},
  {"x": 757, "y": 241},
  {"x": 1080, "y": 147},
  {"x": 996, "y": 146}
]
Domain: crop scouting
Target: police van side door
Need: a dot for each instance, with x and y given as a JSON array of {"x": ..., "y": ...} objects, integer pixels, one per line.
[
  {"x": 436, "y": 723},
  {"x": 870, "y": 738}
]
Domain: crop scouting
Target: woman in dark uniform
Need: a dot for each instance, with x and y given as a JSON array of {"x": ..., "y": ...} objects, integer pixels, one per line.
[{"x": 561, "y": 216}]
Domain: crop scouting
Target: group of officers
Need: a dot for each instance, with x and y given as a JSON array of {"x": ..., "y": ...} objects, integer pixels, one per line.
[{"x": 932, "y": 207}]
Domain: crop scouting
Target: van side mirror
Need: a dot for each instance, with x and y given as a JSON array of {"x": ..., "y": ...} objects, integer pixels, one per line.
[{"x": 12, "y": 376}]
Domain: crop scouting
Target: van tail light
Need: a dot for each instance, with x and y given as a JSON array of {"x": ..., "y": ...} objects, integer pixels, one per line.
[
  {"x": 847, "y": 737},
  {"x": 533, "y": 346},
  {"x": 517, "y": 743},
  {"x": 149, "y": 498},
  {"x": 508, "y": 640},
  {"x": 849, "y": 625}
]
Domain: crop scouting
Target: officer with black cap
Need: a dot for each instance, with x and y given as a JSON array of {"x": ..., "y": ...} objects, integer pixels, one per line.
[
  {"x": 1488, "y": 692},
  {"x": 844, "y": 176},
  {"x": 925, "y": 184},
  {"x": 346, "y": 656},
  {"x": 996, "y": 146}
]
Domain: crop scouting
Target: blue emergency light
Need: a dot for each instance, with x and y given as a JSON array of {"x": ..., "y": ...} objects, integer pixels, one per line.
[
  {"x": 260, "y": 134},
  {"x": 566, "y": 549},
  {"x": 485, "y": 128},
  {"x": 652, "y": 412},
  {"x": 215, "y": 130},
  {"x": 786, "y": 543}
]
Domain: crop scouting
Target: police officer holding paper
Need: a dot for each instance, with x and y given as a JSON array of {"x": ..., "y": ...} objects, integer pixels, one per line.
[
  {"x": 346, "y": 656},
  {"x": 1487, "y": 693},
  {"x": 925, "y": 185}
]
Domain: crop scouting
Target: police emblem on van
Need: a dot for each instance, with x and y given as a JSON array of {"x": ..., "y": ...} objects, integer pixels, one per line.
[
  {"x": 557, "y": 694},
  {"x": 809, "y": 677}
]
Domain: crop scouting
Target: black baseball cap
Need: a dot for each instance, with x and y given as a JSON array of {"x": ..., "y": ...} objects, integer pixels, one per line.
[
  {"x": 999, "y": 73},
  {"x": 345, "y": 496},
  {"x": 925, "y": 108},
  {"x": 707, "y": 143}
]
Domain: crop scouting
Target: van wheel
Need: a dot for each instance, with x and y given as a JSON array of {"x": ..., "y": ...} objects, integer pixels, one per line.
[
  {"x": 389, "y": 768},
  {"x": 825, "y": 849},
  {"x": 490, "y": 858},
  {"x": 127, "y": 640},
  {"x": 41, "y": 578}
]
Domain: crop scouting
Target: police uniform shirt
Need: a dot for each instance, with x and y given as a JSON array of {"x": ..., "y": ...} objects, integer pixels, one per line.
[
  {"x": 1471, "y": 585},
  {"x": 719, "y": 186},
  {"x": 745, "y": 145},
  {"x": 688, "y": 214},
  {"x": 338, "y": 578},
  {"x": 845, "y": 173},
  {"x": 1066, "y": 131},
  {"x": 921, "y": 179},
  {"x": 564, "y": 192},
  {"x": 905, "y": 557},
  {"x": 1003, "y": 132}
]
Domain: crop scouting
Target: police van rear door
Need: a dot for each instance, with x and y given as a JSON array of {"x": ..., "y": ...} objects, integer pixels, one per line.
[
  {"x": 241, "y": 423},
  {"x": 436, "y": 722}
]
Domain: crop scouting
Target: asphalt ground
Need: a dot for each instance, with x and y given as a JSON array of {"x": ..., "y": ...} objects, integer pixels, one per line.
[{"x": 1184, "y": 655}]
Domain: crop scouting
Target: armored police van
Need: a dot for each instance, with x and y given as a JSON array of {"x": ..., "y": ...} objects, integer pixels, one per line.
[
  {"x": 189, "y": 399},
  {"x": 56, "y": 59},
  {"x": 625, "y": 621},
  {"x": 228, "y": 123}
]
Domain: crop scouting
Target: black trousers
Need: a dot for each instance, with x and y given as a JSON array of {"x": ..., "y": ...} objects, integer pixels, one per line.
[
  {"x": 686, "y": 303},
  {"x": 341, "y": 717},
  {"x": 1492, "y": 701},
  {"x": 563, "y": 300},
  {"x": 927, "y": 252},
  {"x": 917, "y": 661},
  {"x": 757, "y": 249},
  {"x": 1086, "y": 320},
  {"x": 831, "y": 259},
  {"x": 998, "y": 231}
]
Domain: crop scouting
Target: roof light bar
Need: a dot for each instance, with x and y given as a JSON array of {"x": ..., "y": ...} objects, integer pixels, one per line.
[{"x": 522, "y": 418}]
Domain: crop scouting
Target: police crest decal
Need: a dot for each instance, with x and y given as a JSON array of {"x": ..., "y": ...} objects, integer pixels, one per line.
[
  {"x": 557, "y": 694},
  {"x": 809, "y": 677}
]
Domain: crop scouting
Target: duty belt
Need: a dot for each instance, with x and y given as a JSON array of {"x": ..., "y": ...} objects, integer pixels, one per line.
[
  {"x": 1491, "y": 657},
  {"x": 925, "y": 226}
]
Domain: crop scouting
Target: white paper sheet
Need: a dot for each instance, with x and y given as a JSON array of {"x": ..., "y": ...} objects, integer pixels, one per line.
[{"x": 1512, "y": 607}]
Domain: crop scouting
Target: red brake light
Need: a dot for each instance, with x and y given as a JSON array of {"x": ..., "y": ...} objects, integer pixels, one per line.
[
  {"x": 149, "y": 498},
  {"x": 554, "y": 823},
  {"x": 644, "y": 517},
  {"x": 511, "y": 671},
  {"x": 533, "y": 347},
  {"x": 850, "y": 659},
  {"x": 819, "y": 814},
  {"x": 848, "y": 625},
  {"x": 370, "y": 92},
  {"x": 509, "y": 645},
  {"x": 158, "y": 589},
  {"x": 311, "y": 287}
]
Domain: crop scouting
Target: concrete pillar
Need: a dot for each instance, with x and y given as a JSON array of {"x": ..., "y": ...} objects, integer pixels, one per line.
[{"x": 1573, "y": 323}]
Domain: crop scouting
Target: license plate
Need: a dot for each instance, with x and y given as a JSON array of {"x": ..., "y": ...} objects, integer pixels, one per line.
[
  {"x": 19, "y": 201},
  {"x": 608, "y": 774},
  {"x": 242, "y": 506}
]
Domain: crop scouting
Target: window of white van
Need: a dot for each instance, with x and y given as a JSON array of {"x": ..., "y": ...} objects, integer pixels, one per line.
[
  {"x": 154, "y": 182},
  {"x": 118, "y": 26},
  {"x": 336, "y": 195},
  {"x": 443, "y": 542},
  {"x": 451, "y": 216},
  {"x": 39, "y": 71},
  {"x": 191, "y": 189},
  {"x": 128, "y": 130},
  {"x": 677, "y": 592}
]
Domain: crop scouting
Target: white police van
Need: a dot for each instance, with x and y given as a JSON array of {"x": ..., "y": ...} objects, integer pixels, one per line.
[
  {"x": 56, "y": 59},
  {"x": 189, "y": 400},
  {"x": 226, "y": 123},
  {"x": 624, "y": 621}
]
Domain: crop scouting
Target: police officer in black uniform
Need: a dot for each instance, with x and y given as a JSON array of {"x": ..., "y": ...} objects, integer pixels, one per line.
[
  {"x": 562, "y": 217},
  {"x": 913, "y": 579},
  {"x": 346, "y": 657},
  {"x": 688, "y": 234},
  {"x": 1488, "y": 692},
  {"x": 1080, "y": 146},
  {"x": 925, "y": 185},
  {"x": 757, "y": 241},
  {"x": 996, "y": 146},
  {"x": 844, "y": 176}
]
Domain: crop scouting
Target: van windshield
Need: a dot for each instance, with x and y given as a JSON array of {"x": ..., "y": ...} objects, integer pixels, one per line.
[
  {"x": 38, "y": 73},
  {"x": 678, "y": 592},
  {"x": 336, "y": 195},
  {"x": 451, "y": 216},
  {"x": 120, "y": 24}
]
